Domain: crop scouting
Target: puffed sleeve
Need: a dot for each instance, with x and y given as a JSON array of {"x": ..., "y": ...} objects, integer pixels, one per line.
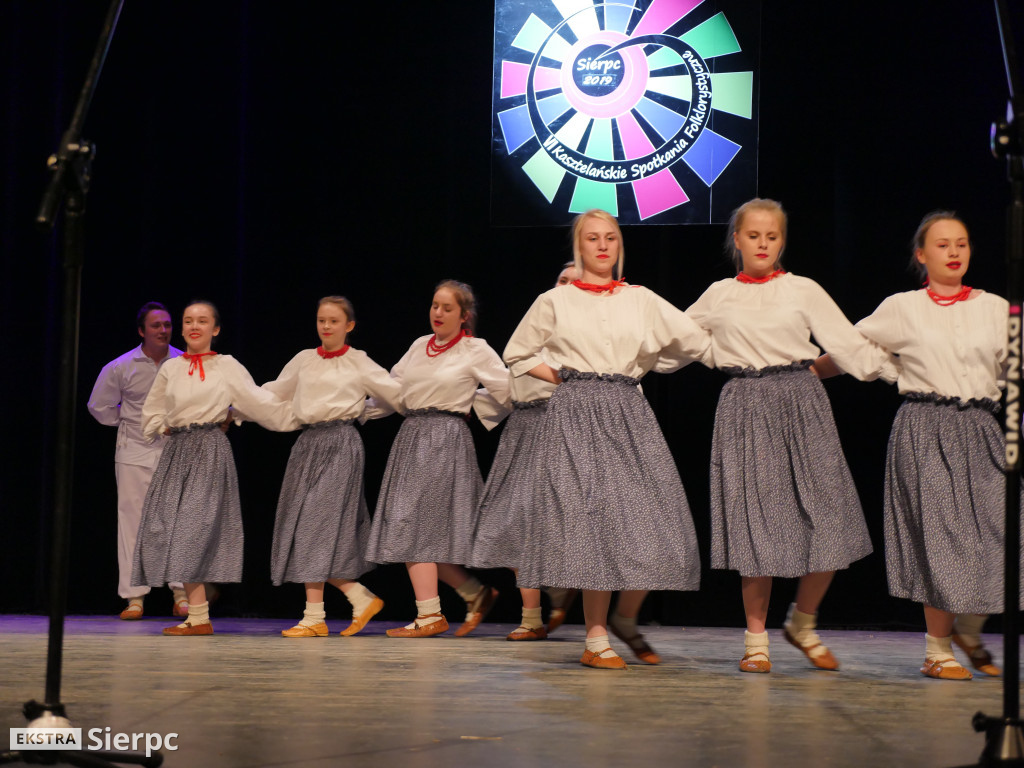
[
  {"x": 378, "y": 409},
  {"x": 523, "y": 352},
  {"x": 384, "y": 390},
  {"x": 699, "y": 312},
  {"x": 852, "y": 351},
  {"x": 489, "y": 410},
  {"x": 287, "y": 381},
  {"x": 154, "y": 410},
  {"x": 491, "y": 372},
  {"x": 253, "y": 403},
  {"x": 701, "y": 308},
  {"x": 675, "y": 338},
  {"x": 105, "y": 400},
  {"x": 886, "y": 326}
]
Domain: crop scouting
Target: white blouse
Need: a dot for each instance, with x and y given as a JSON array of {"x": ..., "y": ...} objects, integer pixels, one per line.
[
  {"x": 117, "y": 399},
  {"x": 955, "y": 351},
  {"x": 178, "y": 399},
  {"x": 448, "y": 381},
  {"x": 325, "y": 389},
  {"x": 525, "y": 389},
  {"x": 756, "y": 325},
  {"x": 629, "y": 332}
]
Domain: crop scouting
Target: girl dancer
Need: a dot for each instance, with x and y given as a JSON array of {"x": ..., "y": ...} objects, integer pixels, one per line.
[
  {"x": 783, "y": 501},
  {"x": 323, "y": 523},
  {"x": 500, "y": 532},
  {"x": 944, "y": 483},
  {"x": 430, "y": 494},
  {"x": 191, "y": 528},
  {"x": 608, "y": 511}
]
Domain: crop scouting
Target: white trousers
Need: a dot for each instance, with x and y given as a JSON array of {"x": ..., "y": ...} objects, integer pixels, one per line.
[{"x": 132, "y": 484}]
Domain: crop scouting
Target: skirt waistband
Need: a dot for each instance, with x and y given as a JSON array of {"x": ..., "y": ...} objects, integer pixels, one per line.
[
  {"x": 192, "y": 427},
  {"x": 985, "y": 403},
  {"x": 434, "y": 412},
  {"x": 329, "y": 423},
  {"x": 771, "y": 370},
  {"x": 567, "y": 374},
  {"x": 525, "y": 405}
]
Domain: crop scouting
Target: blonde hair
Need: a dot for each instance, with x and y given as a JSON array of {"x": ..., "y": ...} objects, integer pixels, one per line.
[
  {"x": 341, "y": 301},
  {"x": 464, "y": 297},
  {"x": 577, "y": 227},
  {"x": 736, "y": 221}
]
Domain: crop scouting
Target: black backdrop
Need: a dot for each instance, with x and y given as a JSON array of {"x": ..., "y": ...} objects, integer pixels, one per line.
[{"x": 264, "y": 154}]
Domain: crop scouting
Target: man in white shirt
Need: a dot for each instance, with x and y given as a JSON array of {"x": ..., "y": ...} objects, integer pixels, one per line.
[{"x": 116, "y": 400}]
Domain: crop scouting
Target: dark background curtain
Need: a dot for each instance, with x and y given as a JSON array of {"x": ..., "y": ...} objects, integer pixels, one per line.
[{"x": 262, "y": 155}]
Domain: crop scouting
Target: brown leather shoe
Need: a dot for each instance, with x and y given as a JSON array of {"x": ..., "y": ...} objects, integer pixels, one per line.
[
  {"x": 478, "y": 610},
  {"x": 599, "y": 661},
  {"x": 301, "y": 630},
  {"x": 188, "y": 629},
  {"x": 133, "y": 612},
  {"x": 526, "y": 633},
  {"x": 823, "y": 660},
  {"x": 980, "y": 658},
  {"x": 756, "y": 662},
  {"x": 180, "y": 609},
  {"x": 946, "y": 669},
  {"x": 421, "y": 630},
  {"x": 360, "y": 621}
]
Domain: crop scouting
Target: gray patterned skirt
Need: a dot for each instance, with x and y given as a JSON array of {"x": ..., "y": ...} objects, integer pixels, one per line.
[
  {"x": 608, "y": 510},
  {"x": 322, "y": 524},
  {"x": 783, "y": 502},
  {"x": 427, "y": 508},
  {"x": 191, "y": 528},
  {"x": 945, "y": 494},
  {"x": 501, "y": 530}
]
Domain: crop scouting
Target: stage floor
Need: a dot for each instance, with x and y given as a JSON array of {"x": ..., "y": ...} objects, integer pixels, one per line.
[{"x": 248, "y": 698}]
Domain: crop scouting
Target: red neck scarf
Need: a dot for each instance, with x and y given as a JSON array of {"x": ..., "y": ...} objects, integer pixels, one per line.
[
  {"x": 328, "y": 355},
  {"x": 945, "y": 301},
  {"x": 609, "y": 287},
  {"x": 434, "y": 349},
  {"x": 743, "y": 277},
  {"x": 196, "y": 361}
]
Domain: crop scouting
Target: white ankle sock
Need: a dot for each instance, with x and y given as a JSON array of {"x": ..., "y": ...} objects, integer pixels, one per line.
[
  {"x": 469, "y": 590},
  {"x": 601, "y": 643},
  {"x": 178, "y": 594},
  {"x": 755, "y": 643},
  {"x": 198, "y": 614},
  {"x": 531, "y": 618},
  {"x": 801, "y": 627},
  {"x": 313, "y": 615},
  {"x": 135, "y": 601},
  {"x": 939, "y": 649},
  {"x": 424, "y": 611},
  {"x": 360, "y": 598}
]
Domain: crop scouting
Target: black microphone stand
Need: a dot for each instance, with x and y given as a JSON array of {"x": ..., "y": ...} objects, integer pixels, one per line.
[
  {"x": 1004, "y": 738},
  {"x": 72, "y": 168}
]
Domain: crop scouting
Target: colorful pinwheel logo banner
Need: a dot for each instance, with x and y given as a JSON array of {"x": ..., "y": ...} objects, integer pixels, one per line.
[{"x": 644, "y": 109}]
